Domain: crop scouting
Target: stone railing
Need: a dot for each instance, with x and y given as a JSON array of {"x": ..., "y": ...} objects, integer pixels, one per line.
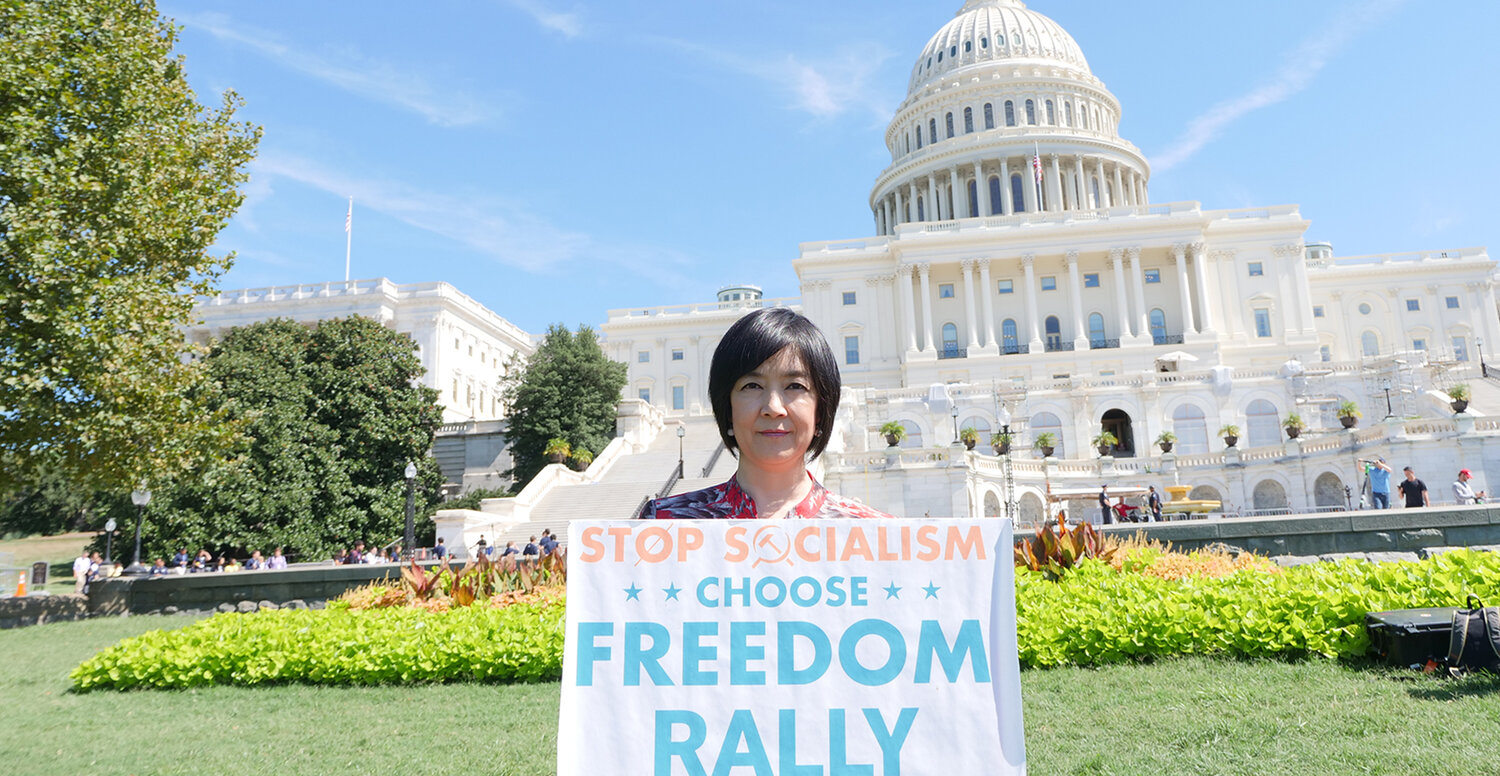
[{"x": 701, "y": 308}]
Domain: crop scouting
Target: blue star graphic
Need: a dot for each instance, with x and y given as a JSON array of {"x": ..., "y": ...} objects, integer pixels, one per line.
[
  {"x": 931, "y": 590},
  {"x": 672, "y": 591},
  {"x": 632, "y": 593},
  {"x": 891, "y": 591}
]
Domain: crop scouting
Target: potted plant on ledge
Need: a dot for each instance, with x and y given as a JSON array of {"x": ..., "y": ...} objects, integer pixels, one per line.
[
  {"x": 557, "y": 450},
  {"x": 1165, "y": 440},
  {"x": 1459, "y": 396},
  {"x": 1294, "y": 425},
  {"x": 1046, "y": 442},
  {"x": 1348, "y": 413},
  {"x": 969, "y": 436},
  {"x": 581, "y": 458},
  {"x": 1001, "y": 442},
  {"x": 1105, "y": 442},
  {"x": 1231, "y": 434},
  {"x": 894, "y": 432}
]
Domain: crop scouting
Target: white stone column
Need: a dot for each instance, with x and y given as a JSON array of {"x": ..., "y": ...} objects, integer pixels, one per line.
[
  {"x": 1179, "y": 257},
  {"x": 1116, "y": 260},
  {"x": 1200, "y": 269},
  {"x": 931, "y": 202},
  {"x": 900, "y": 210},
  {"x": 926, "y": 270},
  {"x": 908, "y": 306},
  {"x": 1007, "y": 205},
  {"x": 982, "y": 191},
  {"x": 1056, "y": 203},
  {"x": 967, "y": 268},
  {"x": 912, "y": 192},
  {"x": 960, "y": 194},
  {"x": 987, "y": 294},
  {"x": 871, "y": 346},
  {"x": 1303, "y": 300},
  {"x": 1075, "y": 296},
  {"x": 1104, "y": 199},
  {"x": 1229, "y": 298},
  {"x": 1029, "y": 190},
  {"x": 1083, "y": 200},
  {"x": 1028, "y": 262},
  {"x": 1138, "y": 284}
]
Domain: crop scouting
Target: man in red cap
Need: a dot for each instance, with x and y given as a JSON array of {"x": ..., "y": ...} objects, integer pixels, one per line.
[{"x": 1463, "y": 493}]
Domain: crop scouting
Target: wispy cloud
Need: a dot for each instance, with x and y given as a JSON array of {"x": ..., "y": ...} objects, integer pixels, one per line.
[
  {"x": 824, "y": 87},
  {"x": 502, "y": 230},
  {"x": 566, "y": 23},
  {"x": 1301, "y": 66},
  {"x": 352, "y": 72}
]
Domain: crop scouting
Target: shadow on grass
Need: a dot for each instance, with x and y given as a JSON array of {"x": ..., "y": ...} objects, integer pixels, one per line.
[{"x": 1470, "y": 686}]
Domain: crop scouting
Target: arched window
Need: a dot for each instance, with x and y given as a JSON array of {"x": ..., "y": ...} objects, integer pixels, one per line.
[
  {"x": 1051, "y": 114},
  {"x": 1054, "y": 333},
  {"x": 1269, "y": 498},
  {"x": 1098, "y": 202},
  {"x": 1031, "y": 112},
  {"x": 996, "y": 205},
  {"x": 1158, "y": 320},
  {"x": 913, "y": 438},
  {"x": 921, "y": 210},
  {"x": 1017, "y": 193},
  {"x": 948, "y": 124},
  {"x": 1096, "y": 330},
  {"x": 908, "y": 143},
  {"x": 1047, "y": 423},
  {"x": 1191, "y": 429},
  {"x": 1370, "y": 343},
  {"x": 950, "y": 340},
  {"x": 932, "y": 130},
  {"x": 973, "y": 199},
  {"x": 989, "y": 116},
  {"x": 1325, "y": 353},
  {"x": 1262, "y": 424},
  {"x": 968, "y": 120},
  {"x": 1010, "y": 113},
  {"x": 1008, "y": 336},
  {"x": 1083, "y": 116},
  {"x": 1068, "y": 113},
  {"x": 919, "y": 137}
]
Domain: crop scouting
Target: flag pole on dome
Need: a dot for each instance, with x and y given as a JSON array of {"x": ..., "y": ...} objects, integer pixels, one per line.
[
  {"x": 348, "y": 237},
  {"x": 1036, "y": 169}
]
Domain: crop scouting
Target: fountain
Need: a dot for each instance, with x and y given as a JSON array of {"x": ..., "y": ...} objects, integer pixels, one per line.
[{"x": 1180, "y": 504}]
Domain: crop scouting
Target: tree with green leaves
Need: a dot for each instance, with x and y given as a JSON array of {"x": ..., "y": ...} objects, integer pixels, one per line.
[
  {"x": 114, "y": 182},
  {"x": 331, "y": 416},
  {"x": 568, "y": 389}
]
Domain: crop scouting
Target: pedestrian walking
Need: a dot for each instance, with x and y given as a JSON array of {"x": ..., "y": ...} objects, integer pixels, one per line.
[
  {"x": 1464, "y": 493},
  {"x": 1413, "y": 490},
  {"x": 81, "y": 572},
  {"x": 1380, "y": 483},
  {"x": 1108, "y": 515},
  {"x": 1153, "y": 502}
]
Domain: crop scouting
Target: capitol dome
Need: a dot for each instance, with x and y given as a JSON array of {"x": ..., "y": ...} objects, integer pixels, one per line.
[{"x": 998, "y": 91}]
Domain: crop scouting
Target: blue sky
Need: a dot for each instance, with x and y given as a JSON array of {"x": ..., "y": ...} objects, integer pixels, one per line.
[{"x": 558, "y": 158}]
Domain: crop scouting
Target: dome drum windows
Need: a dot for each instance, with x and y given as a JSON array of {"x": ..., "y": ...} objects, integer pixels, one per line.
[
  {"x": 932, "y": 130},
  {"x": 1051, "y": 114},
  {"x": 1010, "y": 113},
  {"x": 989, "y": 116},
  {"x": 968, "y": 120},
  {"x": 948, "y": 124},
  {"x": 1031, "y": 112}
]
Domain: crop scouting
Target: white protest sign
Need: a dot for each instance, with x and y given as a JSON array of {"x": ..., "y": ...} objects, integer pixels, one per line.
[{"x": 790, "y": 648}]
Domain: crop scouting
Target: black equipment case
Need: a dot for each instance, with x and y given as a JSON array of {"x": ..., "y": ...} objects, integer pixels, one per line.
[{"x": 1407, "y": 637}]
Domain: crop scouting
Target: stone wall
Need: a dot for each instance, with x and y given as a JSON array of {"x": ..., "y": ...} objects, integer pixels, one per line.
[
  {"x": 308, "y": 585},
  {"x": 1338, "y": 533},
  {"x": 38, "y": 609}
]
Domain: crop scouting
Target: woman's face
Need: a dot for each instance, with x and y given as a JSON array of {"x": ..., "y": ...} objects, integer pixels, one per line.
[{"x": 774, "y": 412}]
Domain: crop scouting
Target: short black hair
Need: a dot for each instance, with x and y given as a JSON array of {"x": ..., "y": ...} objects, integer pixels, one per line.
[{"x": 755, "y": 338}]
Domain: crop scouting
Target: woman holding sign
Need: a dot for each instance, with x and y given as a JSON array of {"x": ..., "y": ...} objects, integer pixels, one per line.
[{"x": 774, "y": 386}]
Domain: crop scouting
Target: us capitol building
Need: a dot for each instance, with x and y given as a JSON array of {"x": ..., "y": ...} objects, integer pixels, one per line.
[{"x": 1018, "y": 275}]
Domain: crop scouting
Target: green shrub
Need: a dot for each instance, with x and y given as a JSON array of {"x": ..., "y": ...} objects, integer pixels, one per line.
[
  {"x": 339, "y": 646},
  {"x": 1096, "y": 615}
]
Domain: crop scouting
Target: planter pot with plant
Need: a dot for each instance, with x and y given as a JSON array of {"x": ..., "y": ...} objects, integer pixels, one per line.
[
  {"x": 1231, "y": 434},
  {"x": 1046, "y": 442},
  {"x": 1348, "y": 413},
  {"x": 969, "y": 436},
  {"x": 1105, "y": 442},
  {"x": 557, "y": 450},
  {"x": 1001, "y": 443},
  {"x": 1165, "y": 440},
  {"x": 581, "y": 459},
  {"x": 893, "y": 432},
  {"x": 1458, "y": 395},
  {"x": 1294, "y": 425}
]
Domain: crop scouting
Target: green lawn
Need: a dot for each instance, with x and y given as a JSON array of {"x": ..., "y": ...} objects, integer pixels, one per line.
[
  {"x": 1189, "y": 716},
  {"x": 59, "y": 552}
]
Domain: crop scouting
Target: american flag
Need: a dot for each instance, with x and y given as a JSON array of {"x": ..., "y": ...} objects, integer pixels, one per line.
[{"x": 1036, "y": 167}]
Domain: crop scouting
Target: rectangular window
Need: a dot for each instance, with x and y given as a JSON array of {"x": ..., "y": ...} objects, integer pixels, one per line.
[
  {"x": 1153, "y": 276},
  {"x": 1049, "y": 284},
  {"x": 1413, "y": 305},
  {"x": 1090, "y": 280},
  {"x": 1419, "y": 344},
  {"x": 851, "y": 350},
  {"x": 1007, "y": 287},
  {"x": 849, "y": 297},
  {"x": 1460, "y": 348},
  {"x": 643, "y": 357},
  {"x": 1317, "y": 311},
  {"x": 679, "y": 397},
  {"x": 1256, "y": 270},
  {"x": 1262, "y": 322},
  {"x": 645, "y": 394},
  {"x": 677, "y": 355},
  {"x": 945, "y": 290},
  {"x": 1452, "y": 302}
]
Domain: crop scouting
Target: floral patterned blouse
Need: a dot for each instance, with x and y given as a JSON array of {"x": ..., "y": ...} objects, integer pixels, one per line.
[{"x": 729, "y": 502}]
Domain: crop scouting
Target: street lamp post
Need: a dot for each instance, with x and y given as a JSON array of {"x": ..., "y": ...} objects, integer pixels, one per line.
[
  {"x": 1389, "y": 413},
  {"x": 109, "y": 540},
  {"x": 409, "y": 551},
  {"x": 140, "y": 497},
  {"x": 955, "y": 424},
  {"x": 1484, "y": 371},
  {"x": 681, "y": 432}
]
